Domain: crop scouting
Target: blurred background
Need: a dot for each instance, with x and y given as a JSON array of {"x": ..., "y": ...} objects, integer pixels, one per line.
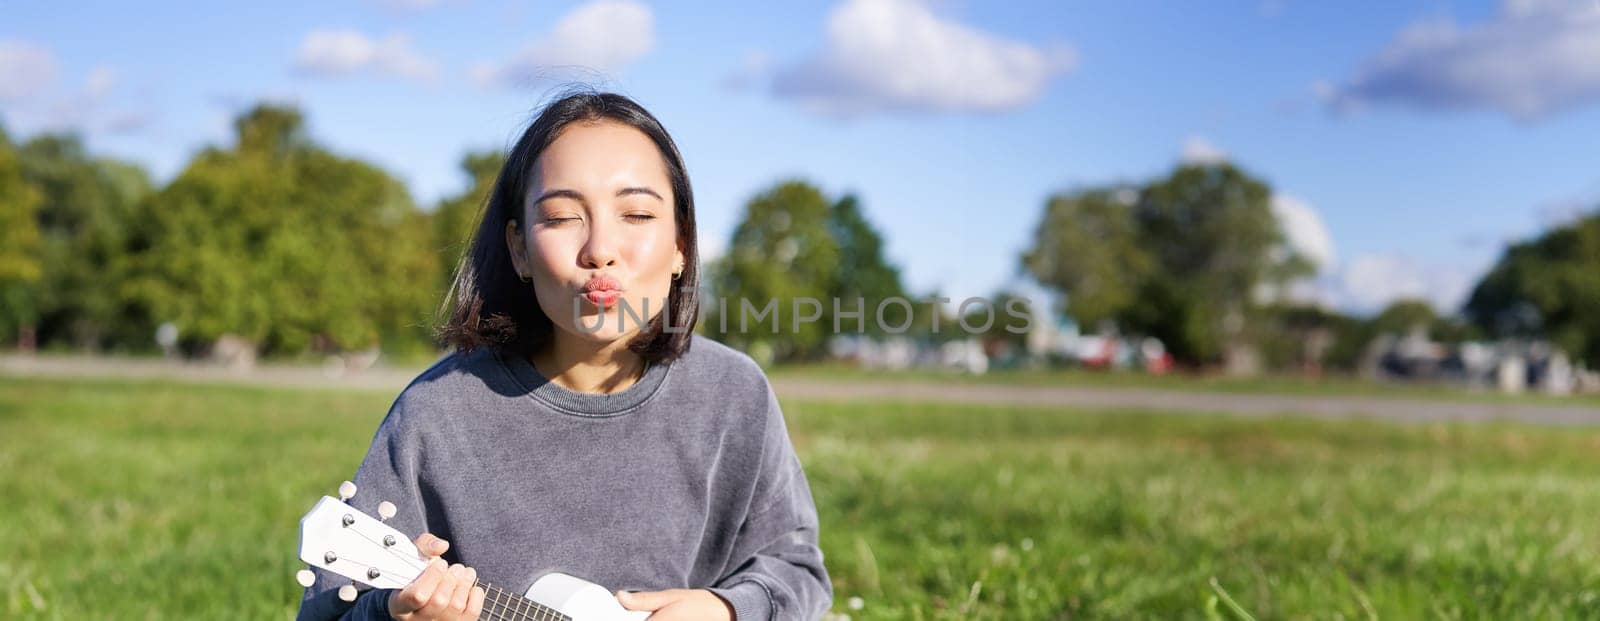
[{"x": 1310, "y": 292}]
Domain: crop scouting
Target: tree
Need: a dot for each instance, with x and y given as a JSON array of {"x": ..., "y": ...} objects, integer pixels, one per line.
[
  {"x": 20, "y": 269},
  {"x": 781, "y": 251},
  {"x": 1304, "y": 337},
  {"x": 1001, "y": 314},
  {"x": 1089, "y": 246},
  {"x": 285, "y": 244},
  {"x": 454, "y": 217},
  {"x": 1548, "y": 286},
  {"x": 862, "y": 272},
  {"x": 85, "y": 211},
  {"x": 1179, "y": 259},
  {"x": 1403, "y": 315},
  {"x": 1215, "y": 239},
  {"x": 801, "y": 252}
]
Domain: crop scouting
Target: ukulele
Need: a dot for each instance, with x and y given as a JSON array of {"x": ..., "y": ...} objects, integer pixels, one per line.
[{"x": 341, "y": 539}]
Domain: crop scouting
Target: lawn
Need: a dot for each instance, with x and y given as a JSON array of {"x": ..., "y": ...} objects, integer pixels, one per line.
[
  {"x": 157, "y": 500},
  {"x": 1331, "y": 385}
]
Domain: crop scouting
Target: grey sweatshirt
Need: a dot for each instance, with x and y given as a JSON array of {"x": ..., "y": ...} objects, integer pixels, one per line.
[{"x": 686, "y": 479}]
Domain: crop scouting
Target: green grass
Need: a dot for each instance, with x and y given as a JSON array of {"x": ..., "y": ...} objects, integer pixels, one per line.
[
  {"x": 155, "y": 500},
  {"x": 1286, "y": 384}
]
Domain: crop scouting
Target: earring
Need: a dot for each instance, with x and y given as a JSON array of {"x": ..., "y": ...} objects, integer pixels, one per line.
[
  {"x": 524, "y": 278},
  {"x": 677, "y": 274}
]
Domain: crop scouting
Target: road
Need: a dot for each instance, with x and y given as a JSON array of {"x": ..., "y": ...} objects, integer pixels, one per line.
[{"x": 866, "y": 389}]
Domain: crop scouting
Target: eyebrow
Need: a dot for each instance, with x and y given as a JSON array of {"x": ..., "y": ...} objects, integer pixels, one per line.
[{"x": 574, "y": 195}]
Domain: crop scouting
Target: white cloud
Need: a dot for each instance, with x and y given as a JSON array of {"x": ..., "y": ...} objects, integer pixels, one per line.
[
  {"x": 604, "y": 36},
  {"x": 100, "y": 82},
  {"x": 1372, "y": 281},
  {"x": 38, "y": 103},
  {"x": 1198, "y": 150},
  {"x": 25, "y": 69},
  {"x": 897, "y": 55},
  {"x": 1534, "y": 59},
  {"x": 757, "y": 66},
  {"x": 336, "y": 53},
  {"x": 127, "y": 122},
  {"x": 1305, "y": 230},
  {"x": 1306, "y": 234}
]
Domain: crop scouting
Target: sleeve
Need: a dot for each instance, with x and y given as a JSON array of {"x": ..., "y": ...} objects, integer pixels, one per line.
[
  {"x": 388, "y": 472},
  {"x": 778, "y": 572}
]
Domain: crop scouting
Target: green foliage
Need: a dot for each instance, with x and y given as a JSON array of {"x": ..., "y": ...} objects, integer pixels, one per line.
[
  {"x": 271, "y": 131},
  {"x": 1298, "y": 336},
  {"x": 1215, "y": 238},
  {"x": 85, "y": 211},
  {"x": 1089, "y": 245},
  {"x": 783, "y": 249},
  {"x": 862, "y": 272},
  {"x": 285, "y": 244},
  {"x": 1000, "y": 312},
  {"x": 1402, "y": 315},
  {"x": 20, "y": 267},
  {"x": 1547, "y": 286},
  {"x": 794, "y": 243},
  {"x": 1178, "y": 259},
  {"x": 454, "y": 218},
  {"x": 1288, "y": 333}
]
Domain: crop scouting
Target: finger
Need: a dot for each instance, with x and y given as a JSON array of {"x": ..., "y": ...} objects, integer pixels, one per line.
[
  {"x": 430, "y": 544},
  {"x": 466, "y": 578},
  {"x": 475, "y": 602},
  {"x": 648, "y": 600},
  {"x": 675, "y": 611},
  {"x": 417, "y": 594},
  {"x": 445, "y": 594}
]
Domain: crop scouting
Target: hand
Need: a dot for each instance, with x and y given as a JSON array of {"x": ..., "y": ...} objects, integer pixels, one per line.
[
  {"x": 442, "y": 592},
  {"x": 678, "y": 604}
]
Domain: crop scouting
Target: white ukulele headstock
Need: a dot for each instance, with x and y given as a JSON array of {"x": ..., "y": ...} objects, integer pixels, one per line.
[{"x": 338, "y": 538}]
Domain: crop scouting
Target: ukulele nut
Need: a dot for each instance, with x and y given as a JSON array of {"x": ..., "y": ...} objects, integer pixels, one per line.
[
  {"x": 372, "y": 573},
  {"x": 388, "y": 541},
  {"x": 329, "y": 557},
  {"x": 349, "y": 519}
]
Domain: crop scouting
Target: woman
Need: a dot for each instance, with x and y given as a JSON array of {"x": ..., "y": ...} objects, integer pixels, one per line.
[{"x": 580, "y": 426}]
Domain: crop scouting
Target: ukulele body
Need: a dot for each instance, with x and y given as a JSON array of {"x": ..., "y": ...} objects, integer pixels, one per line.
[{"x": 580, "y": 599}]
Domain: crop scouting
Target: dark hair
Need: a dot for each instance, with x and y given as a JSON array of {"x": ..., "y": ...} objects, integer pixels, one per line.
[{"x": 488, "y": 304}]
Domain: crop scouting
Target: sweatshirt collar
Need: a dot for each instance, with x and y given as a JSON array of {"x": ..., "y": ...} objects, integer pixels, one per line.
[{"x": 589, "y": 404}]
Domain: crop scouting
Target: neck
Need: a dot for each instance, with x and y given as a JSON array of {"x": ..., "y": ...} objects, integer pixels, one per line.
[
  {"x": 499, "y": 603},
  {"x": 581, "y": 366}
]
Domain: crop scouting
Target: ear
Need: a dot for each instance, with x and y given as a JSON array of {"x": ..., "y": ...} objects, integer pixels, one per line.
[{"x": 518, "y": 248}]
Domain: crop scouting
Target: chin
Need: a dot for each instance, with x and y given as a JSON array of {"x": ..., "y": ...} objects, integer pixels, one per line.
[
  {"x": 606, "y": 334},
  {"x": 579, "y": 322}
]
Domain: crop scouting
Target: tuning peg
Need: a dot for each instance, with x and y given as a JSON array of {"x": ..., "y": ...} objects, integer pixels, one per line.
[
  {"x": 385, "y": 510},
  {"x": 348, "y": 593},
  {"x": 347, "y": 490},
  {"x": 305, "y": 577}
]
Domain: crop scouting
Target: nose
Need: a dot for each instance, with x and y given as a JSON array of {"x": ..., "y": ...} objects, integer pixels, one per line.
[{"x": 600, "y": 249}]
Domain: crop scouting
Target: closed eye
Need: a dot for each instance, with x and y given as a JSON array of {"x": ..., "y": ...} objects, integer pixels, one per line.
[{"x": 636, "y": 217}]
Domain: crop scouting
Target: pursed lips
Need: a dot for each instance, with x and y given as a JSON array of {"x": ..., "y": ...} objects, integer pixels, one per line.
[{"x": 602, "y": 289}]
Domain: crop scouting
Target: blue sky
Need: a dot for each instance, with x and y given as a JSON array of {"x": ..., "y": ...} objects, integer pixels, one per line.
[{"x": 1407, "y": 141}]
